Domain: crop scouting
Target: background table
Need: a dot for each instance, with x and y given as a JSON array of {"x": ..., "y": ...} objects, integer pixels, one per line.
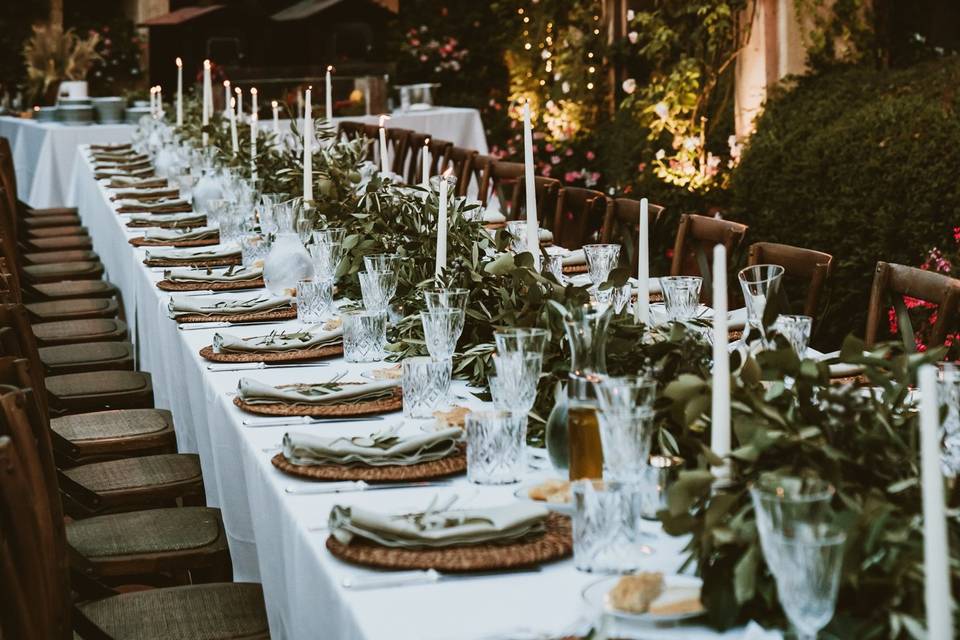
[
  {"x": 279, "y": 538},
  {"x": 43, "y": 155}
]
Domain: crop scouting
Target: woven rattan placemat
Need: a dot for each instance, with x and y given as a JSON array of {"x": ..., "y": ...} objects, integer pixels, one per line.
[
  {"x": 370, "y": 407},
  {"x": 260, "y": 316},
  {"x": 554, "y": 544},
  {"x": 299, "y": 355},
  {"x": 210, "y": 262},
  {"x": 237, "y": 285},
  {"x": 451, "y": 465}
]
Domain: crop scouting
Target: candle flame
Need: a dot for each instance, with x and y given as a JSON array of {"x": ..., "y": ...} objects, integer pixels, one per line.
[
  {"x": 330, "y": 68},
  {"x": 426, "y": 142},
  {"x": 36, "y": 108},
  {"x": 253, "y": 90},
  {"x": 238, "y": 91},
  {"x": 179, "y": 62},
  {"x": 226, "y": 83},
  {"x": 273, "y": 103},
  {"x": 206, "y": 64}
]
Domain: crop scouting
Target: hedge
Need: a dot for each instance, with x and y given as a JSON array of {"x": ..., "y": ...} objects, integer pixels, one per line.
[{"x": 861, "y": 163}]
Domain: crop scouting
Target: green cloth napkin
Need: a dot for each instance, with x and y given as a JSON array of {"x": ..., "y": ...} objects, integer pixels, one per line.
[
  {"x": 193, "y": 253},
  {"x": 168, "y": 205},
  {"x": 277, "y": 341},
  {"x": 438, "y": 525},
  {"x": 222, "y": 306},
  {"x": 122, "y": 165},
  {"x": 220, "y": 274},
  {"x": 174, "y": 235},
  {"x": 254, "y": 392},
  {"x": 182, "y": 219},
  {"x": 126, "y": 182},
  {"x": 100, "y": 174},
  {"x": 377, "y": 449}
]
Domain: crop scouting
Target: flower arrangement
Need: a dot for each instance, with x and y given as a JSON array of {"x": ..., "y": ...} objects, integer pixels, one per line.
[
  {"x": 119, "y": 68},
  {"x": 53, "y": 55},
  {"x": 442, "y": 54}
]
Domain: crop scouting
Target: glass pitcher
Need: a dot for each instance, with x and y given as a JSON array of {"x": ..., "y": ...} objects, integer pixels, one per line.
[{"x": 288, "y": 261}]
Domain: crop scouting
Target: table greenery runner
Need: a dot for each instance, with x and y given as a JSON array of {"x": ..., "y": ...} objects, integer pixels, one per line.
[{"x": 864, "y": 444}]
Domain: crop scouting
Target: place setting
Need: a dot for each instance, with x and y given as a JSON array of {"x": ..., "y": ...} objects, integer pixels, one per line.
[
  {"x": 158, "y": 205},
  {"x": 210, "y": 279},
  {"x": 213, "y": 308},
  {"x": 187, "y": 219},
  {"x": 201, "y": 236},
  {"x": 220, "y": 255}
]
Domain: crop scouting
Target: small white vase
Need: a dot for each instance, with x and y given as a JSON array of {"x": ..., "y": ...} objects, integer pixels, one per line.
[{"x": 287, "y": 263}]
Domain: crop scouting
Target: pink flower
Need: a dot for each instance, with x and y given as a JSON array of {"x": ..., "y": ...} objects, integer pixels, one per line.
[
  {"x": 555, "y": 159},
  {"x": 423, "y": 58},
  {"x": 956, "y": 234},
  {"x": 591, "y": 156},
  {"x": 415, "y": 42},
  {"x": 549, "y": 147},
  {"x": 571, "y": 176},
  {"x": 546, "y": 170},
  {"x": 568, "y": 152}
]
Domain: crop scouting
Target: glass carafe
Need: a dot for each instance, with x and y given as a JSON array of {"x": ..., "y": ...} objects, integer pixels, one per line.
[
  {"x": 288, "y": 261},
  {"x": 208, "y": 186},
  {"x": 573, "y": 433}
]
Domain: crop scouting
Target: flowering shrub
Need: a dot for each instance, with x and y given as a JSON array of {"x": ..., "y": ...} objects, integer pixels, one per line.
[
  {"x": 442, "y": 54},
  {"x": 120, "y": 68}
]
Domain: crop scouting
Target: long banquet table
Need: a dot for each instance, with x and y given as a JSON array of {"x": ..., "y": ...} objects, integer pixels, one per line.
[
  {"x": 278, "y": 538},
  {"x": 43, "y": 154}
]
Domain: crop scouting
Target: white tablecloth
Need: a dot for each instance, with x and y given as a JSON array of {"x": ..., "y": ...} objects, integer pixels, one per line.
[
  {"x": 276, "y": 537},
  {"x": 43, "y": 154},
  {"x": 461, "y": 126}
]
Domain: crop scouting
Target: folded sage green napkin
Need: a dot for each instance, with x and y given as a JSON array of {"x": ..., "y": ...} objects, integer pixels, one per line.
[
  {"x": 182, "y": 219},
  {"x": 324, "y": 393},
  {"x": 439, "y": 525},
  {"x": 278, "y": 341},
  {"x": 111, "y": 146},
  {"x": 119, "y": 157},
  {"x": 159, "y": 193},
  {"x": 235, "y": 273},
  {"x": 174, "y": 235},
  {"x": 167, "y": 205},
  {"x": 193, "y": 253},
  {"x": 100, "y": 174},
  {"x": 214, "y": 305},
  {"x": 570, "y": 258},
  {"x": 122, "y": 165},
  {"x": 126, "y": 182},
  {"x": 377, "y": 449}
]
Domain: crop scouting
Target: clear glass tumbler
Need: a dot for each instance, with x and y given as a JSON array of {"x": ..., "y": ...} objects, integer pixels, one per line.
[
  {"x": 606, "y": 538},
  {"x": 426, "y": 383},
  {"x": 254, "y": 249},
  {"x": 796, "y": 329},
  {"x": 314, "y": 301},
  {"x": 441, "y": 331},
  {"x": 495, "y": 447},
  {"x": 377, "y": 288},
  {"x": 364, "y": 335},
  {"x": 681, "y": 297}
]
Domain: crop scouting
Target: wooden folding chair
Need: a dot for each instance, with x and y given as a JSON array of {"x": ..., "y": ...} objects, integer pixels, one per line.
[
  {"x": 579, "y": 215},
  {"x": 891, "y": 282},
  {"x": 811, "y": 267}
]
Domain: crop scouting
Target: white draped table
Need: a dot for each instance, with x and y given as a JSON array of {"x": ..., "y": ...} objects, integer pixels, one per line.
[
  {"x": 278, "y": 538},
  {"x": 43, "y": 154}
]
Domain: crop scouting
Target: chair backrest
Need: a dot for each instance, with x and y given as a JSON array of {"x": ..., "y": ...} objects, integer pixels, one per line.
[
  {"x": 9, "y": 250},
  {"x": 894, "y": 281},
  {"x": 622, "y": 226},
  {"x": 696, "y": 237},
  {"x": 18, "y": 340},
  {"x": 504, "y": 183},
  {"x": 436, "y": 151},
  {"x": 349, "y": 130},
  {"x": 398, "y": 143},
  {"x": 28, "y": 492},
  {"x": 579, "y": 215},
  {"x": 812, "y": 267},
  {"x": 8, "y": 174},
  {"x": 461, "y": 160}
]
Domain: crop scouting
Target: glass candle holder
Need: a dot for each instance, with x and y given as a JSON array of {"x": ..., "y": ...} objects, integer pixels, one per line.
[
  {"x": 426, "y": 383},
  {"x": 364, "y": 335}
]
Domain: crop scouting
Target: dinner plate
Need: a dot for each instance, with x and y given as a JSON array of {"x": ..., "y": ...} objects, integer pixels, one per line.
[
  {"x": 675, "y": 588},
  {"x": 522, "y": 493}
]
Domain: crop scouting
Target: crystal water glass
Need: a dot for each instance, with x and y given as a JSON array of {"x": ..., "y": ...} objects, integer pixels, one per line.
[
  {"x": 441, "y": 331},
  {"x": 495, "y": 447},
  {"x": 426, "y": 383},
  {"x": 326, "y": 257},
  {"x": 446, "y": 298},
  {"x": 662, "y": 472},
  {"x": 758, "y": 283},
  {"x": 364, "y": 335},
  {"x": 606, "y": 538},
  {"x": 518, "y": 235},
  {"x": 254, "y": 248},
  {"x": 232, "y": 220},
  {"x": 553, "y": 264},
  {"x": 520, "y": 339},
  {"x": 783, "y": 503},
  {"x": 377, "y": 288},
  {"x": 383, "y": 262},
  {"x": 601, "y": 260},
  {"x": 216, "y": 209},
  {"x": 626, "y": 424},
  {"x": 517, "y": 376},
  {"x": 681, "y": 297},
  {"x": 314, "y": 301},
  {"x": 796, "y": 330},
  {"x": 809, "y": 559},
  {"x": 268, "y": 202},
  {"x": 185, "y": 180}
]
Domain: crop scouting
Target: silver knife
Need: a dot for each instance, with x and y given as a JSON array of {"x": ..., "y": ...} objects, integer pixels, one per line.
[
  {"x": 427, "y": 576},
  {"x": 246, "y": 366},
  {"x": 295, "y": 420},
  {"x": 356, "y": 485}
]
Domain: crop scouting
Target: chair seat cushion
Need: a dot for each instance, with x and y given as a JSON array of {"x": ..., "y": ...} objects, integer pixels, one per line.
[
  {"x": 57, "y": 244},
  {"x": 73, "y": 331},
  {"x": 58, "y": 231},
  {"x": 55, "y": 271},
  {"x": 64, "y": 220},
  {"x": 77, "y": 308},
  {"x": 112, "y": 425},
  {"x": 148, "y": 531},
  {"x": 220, "y": 611},
  {"x": 51, "y": 211},
  {"x": 97, "y": 383},
  {"x": 71, "y": 255},
  {"x": 87, "y": 356},
  {"x": 67, "y": 289},
  {"x": 130, "y": 474}
]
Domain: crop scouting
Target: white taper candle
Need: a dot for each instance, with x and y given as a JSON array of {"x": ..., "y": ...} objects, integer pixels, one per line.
[
  {"x": 441, "y": 262},
  {"x": 329, "y": 94},
  {"x": 207, "y": 98},
  {"x": 235, "y": 142},
  {"x": 641, "y": 312},
  {"x": 936, "y": 555},
  {"x": 307, "y": 146},
  {"x": 425, "y": 163},
  {"x": 533, "y": 225},
  {"x": 179, "y": 92},
  {"x": 384, "y": 155},
  {"x": 720, "y": 397}
]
